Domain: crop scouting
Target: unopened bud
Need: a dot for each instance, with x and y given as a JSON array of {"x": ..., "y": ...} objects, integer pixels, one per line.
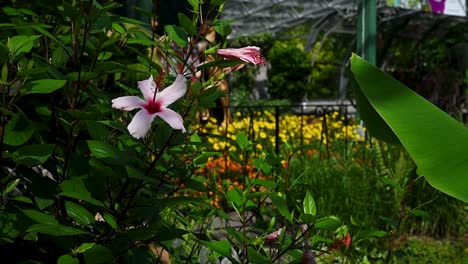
[
  {"x": 347, "y": 240},
  {"x": 273, "y": 236}
]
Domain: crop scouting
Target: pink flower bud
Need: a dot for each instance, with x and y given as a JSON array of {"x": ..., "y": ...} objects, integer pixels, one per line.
[
  {"x": 273, "y": 236},
  {"x": 249, "y": 54},
  {"x": 347, "y": 240}
]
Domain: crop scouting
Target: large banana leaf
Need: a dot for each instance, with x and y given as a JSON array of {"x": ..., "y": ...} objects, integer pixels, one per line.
[{"x": 436, "y": 142}]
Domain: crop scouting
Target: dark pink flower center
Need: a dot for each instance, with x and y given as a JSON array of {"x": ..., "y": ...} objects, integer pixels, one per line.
[{"x": 153, "y": 106}]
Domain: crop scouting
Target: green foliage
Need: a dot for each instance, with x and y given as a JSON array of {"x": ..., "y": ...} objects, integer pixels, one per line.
[
  {"x": 396, "y": 114},
  {"x": 326, "y": 58},
  {"x": 287, "y": 76},
  {"x": 77, "y": 187},
  {"x": 434, "y": 65},
  {"x": 327, "y": 61},
  {"x": 427, "y": 250}
]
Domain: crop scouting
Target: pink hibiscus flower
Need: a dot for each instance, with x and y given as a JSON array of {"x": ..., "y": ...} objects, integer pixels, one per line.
[
  {"x": 155, "y": 103},
  {"x": 249, "y": 54}
]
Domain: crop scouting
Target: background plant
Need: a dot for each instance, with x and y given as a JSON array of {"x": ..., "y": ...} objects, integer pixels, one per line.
[
  {"x": 261, "y": 126},
  {"x": 77, "y": 187},
  {"x": 287, "y": 76}
]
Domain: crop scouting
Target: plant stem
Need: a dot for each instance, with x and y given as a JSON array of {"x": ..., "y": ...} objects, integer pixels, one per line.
[{"x": 293, "y": 243}]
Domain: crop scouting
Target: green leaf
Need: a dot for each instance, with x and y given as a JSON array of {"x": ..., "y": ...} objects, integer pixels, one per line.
[
  {"x": 196, "y": 87},
  {"x": 176, "y": 201},
  {"x": 59, "y": 57},
  {"x": 17, "y": 131},
  {"x": 41, "y": 29},
  {"x": 234, "y": 197},
  {"x": 202, "y": 158},
  {"x": 437, "y": 143},
  {"x": 132, "y": 21},
  {"x": 97, "y": 130},
  {"x": 81, "y": 76},
  {"x": 19, "y": 45},
  {"x": 195, "y": 138},
  {"x": 421, "y": 213},
  {"x": 84, "y": 247},
  {"x": 194, "y": 4},
  {"x": 391, "y": 182},
  {"x": 110, "y": 6},
  {"x": 80, "y": 214},
  {"x": 142, "y": 41},
  {"x": 209, "y": 96},
  {"x": 309, "y": 205},
  {"x": 262, "y": 165},
  {"x": 40, "y": 217},
  {"x": 255, "y": 257},
  {"x": 213, "y": 50},
  {"x": 111, "y": 220},
  {"x": 22, "y": 199},
  {"x": 243, "y": 142},
  {"x": 82, "y": 115},
  {"x": 368, "y": 234},
  {"x": 282, "y": 206},
  {"x": 267, "y": 183},
  {"x": 139, "y": 174},
  {"x": 116, "y": 125},
  {"x": 43, "y": 86},
  {"x": 4, "y": 75},
  {"x": 56, "y": 230},
  {"x": 220, "y": 64},
  {"x": 329, "y": 223},
  {"x": 222, "y": 247},
  {"x": 119, "y": 28},
  {"x": 107, "y": 153},
  {"x": 104, "y": 55},
  {"x": 98, "y": 255},
  {"x": 392, "y": 222},
  {"x": 32, "y": 155},
  {"x": 11, "y": 186},
  {"x": 223, "y": 30},
  {"x": 67, "y": 259},
  {"x": 177, "y": 34},
  {"x": 75, "y": 188},
  {"x": 140, "y": 233},
  {"x": 43, "y": 203},
  {"x": 187, "y": 24}
]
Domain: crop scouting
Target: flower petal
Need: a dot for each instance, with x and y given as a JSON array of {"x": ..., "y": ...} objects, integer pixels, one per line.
[
  {"x": 147, "y": 88},
  {"x": 140, "y": 124},
  {"x": 172, "y": 118},
  {"x": 127, "y": 103},
  {"x": 173, "y": 91}
]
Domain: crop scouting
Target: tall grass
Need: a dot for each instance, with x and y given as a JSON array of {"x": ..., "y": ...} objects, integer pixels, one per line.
[{"x": 377, "y": 187}]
